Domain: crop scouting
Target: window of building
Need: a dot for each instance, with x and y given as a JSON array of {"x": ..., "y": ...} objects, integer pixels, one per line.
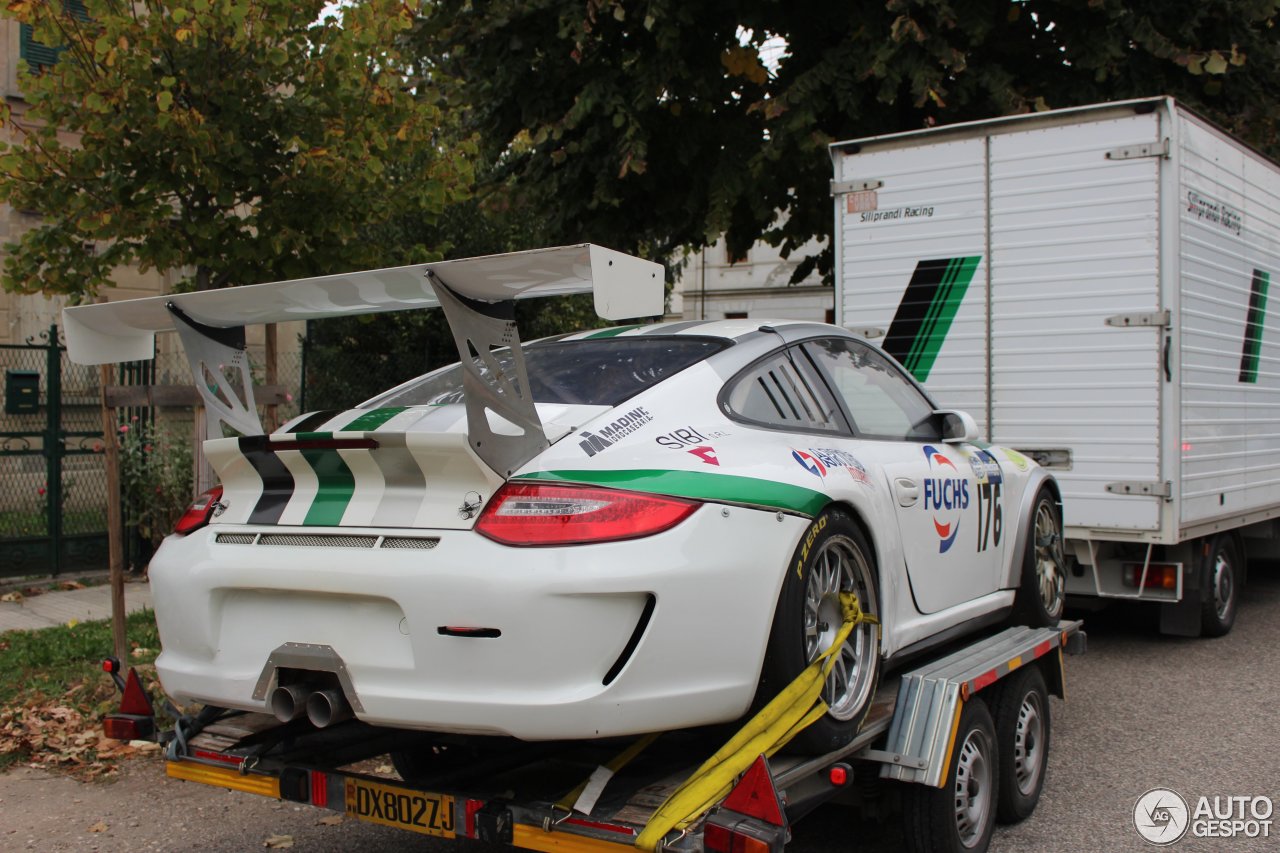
[{"x": 39, "y": 55}]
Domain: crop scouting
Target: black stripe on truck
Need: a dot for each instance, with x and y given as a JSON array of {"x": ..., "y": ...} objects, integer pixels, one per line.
[{"x": 1253, "y": 326}]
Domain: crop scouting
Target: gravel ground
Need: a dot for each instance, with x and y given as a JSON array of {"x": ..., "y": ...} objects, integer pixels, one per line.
[{"x": 1199, "y": 716}]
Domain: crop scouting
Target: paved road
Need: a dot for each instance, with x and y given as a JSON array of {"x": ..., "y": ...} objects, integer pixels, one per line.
[{"x": 1201, "y": 717}]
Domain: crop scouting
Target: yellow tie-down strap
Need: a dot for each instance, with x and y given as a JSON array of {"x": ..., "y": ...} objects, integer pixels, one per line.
[{"x": 798, "y": 705}]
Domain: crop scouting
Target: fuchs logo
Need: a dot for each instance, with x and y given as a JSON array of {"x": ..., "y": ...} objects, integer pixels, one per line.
[
  {"x": 946, "y": 495},
  {"x": 819, "y": 460},
  {"x": 608, "y": 435}
]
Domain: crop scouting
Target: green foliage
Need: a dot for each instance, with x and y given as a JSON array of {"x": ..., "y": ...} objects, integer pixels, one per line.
[
  {"x": 350, "y": 359},
  {"x": 156, "y": 476},
  {"x": 233, "y": 140},
  {"x": 651, "y": 126}
]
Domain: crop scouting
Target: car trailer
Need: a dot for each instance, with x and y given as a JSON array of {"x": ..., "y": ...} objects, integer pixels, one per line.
[{"x": 969, "y": 732}]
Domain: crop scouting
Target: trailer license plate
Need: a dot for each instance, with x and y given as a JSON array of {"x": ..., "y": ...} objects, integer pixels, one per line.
[{"x": 430, "y": 814}]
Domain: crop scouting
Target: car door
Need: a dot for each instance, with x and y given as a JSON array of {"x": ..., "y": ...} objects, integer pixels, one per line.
[{"x": 946, "y": 496}]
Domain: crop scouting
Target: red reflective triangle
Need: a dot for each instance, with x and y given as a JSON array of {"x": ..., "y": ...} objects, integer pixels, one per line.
[
  {"x": 135, "y": 699},
  {"x": 755, "y": 796}
]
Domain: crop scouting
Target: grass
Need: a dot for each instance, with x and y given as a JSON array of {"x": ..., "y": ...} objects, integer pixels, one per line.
[{"x": 53, "y": 689}]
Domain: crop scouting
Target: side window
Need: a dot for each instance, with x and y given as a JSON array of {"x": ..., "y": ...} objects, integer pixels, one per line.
[
  {"x": 780, "y": 393},
  {"x": 881, "y": 400}
]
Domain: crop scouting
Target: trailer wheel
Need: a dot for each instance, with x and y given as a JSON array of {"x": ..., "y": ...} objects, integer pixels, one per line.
[
  {"x": 1021, "y": 710},
  {"x": 1042, "y": 593},
  {"x": 1222, "y": 575},
  {"x": 832, "y": 557},
  {"x": 960, "y": 816}
]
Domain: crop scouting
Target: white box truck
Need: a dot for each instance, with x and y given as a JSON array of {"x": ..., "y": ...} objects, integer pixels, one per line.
[{"x": 1091, "y": 284}]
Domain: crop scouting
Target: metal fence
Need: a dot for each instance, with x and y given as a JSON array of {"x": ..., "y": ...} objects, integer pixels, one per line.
[
  {"x": 52, "y": 473},
  {"x": 53, "y": 484}
]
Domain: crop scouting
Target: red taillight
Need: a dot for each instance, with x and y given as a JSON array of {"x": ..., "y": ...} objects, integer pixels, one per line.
[
  {"x": 547, "y": 514},
  {"x": 199, "y": 513},
  {"x": 123, "y": 727},
  {"x": 1159, "y": 575}
]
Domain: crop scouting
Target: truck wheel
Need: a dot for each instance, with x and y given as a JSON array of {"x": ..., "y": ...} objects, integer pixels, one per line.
[
  {"x": 833, "y": 557},
  {"x": 1222, "y": 575},
  {"x": 1042, "y": 593},
  {"x": 1021, "y": 713},
  {"x": 961, "y": 815}
]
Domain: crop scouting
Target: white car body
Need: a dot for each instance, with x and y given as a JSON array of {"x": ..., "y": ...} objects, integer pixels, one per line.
[{"x": 347, "y": 542}]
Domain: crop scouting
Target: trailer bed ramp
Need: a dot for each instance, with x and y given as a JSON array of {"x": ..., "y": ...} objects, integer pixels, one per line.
[
  {"x": 930, "y": 698},
  {"x": 513, "y": 792}
]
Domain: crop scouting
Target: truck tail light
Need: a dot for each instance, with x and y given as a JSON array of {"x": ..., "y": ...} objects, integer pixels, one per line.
[
  {"x": 531, "y": 514},
  {"x": 199, "y": 513},
  {"x": 1159, "y": 575}
]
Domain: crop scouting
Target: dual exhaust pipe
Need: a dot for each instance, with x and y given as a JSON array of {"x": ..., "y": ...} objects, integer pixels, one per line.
[{"x": 323, "y": 707}]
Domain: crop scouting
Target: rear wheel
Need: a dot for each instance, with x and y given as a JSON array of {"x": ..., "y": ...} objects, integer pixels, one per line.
[
  {"x": 1221, "y": 578},
  {"x": 1042, "y": 594},
  {"x": 833, "y": 557},
  {"x": 1021, "y": 713},
  {"x": 960, "y": 816}
]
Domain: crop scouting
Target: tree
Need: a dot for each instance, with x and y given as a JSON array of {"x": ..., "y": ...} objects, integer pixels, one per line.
[
  {"x": 234, "y": 141},
  {"x": 657, "y": 125}
]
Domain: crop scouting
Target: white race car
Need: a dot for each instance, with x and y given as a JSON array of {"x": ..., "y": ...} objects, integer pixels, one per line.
[{"x": 622, "y": 531}]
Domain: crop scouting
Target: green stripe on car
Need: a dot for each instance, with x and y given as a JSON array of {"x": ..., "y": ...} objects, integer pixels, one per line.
[
  {"x": 373, "y": 419},
  {"x": 610, "y": 333},
  {"x": 707, "y": 487},
  {"x": 336, "y": 486}
]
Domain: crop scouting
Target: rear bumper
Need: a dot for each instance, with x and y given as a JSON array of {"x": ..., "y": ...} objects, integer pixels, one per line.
[{"x": 566, "y": 617}]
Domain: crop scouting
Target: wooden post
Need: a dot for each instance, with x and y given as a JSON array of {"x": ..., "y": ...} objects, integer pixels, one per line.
[
  {"x": 271, "y": 419},
  {"x": 115, "y": 522}
]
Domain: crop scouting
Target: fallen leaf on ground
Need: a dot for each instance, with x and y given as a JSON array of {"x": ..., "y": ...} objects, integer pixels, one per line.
[
  {"x": 331, "y": 820},
  {"x": 98, "y": 827},
  {"x": 279, "y": 842}
]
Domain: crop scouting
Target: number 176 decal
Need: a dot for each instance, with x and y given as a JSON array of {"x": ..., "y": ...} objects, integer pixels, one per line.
[{"x": 990, "y": 515}]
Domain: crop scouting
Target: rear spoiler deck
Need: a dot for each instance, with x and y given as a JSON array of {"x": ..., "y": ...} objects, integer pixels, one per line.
[{"x": 476, "y": 294}]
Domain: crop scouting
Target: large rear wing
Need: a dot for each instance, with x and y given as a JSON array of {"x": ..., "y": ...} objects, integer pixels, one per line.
[{"x": 476, "y": 294}]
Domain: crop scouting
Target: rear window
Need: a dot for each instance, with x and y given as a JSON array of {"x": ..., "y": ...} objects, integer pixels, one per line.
[{"x": 602, "y": 372}]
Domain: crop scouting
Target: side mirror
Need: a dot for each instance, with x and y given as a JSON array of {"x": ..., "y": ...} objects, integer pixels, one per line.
[{"x": 957, "y": 426}]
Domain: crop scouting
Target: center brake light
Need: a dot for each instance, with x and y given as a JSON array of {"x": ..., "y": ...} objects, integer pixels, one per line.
[
  {"x": 532, "y": 514},
  {"x": 199, "y": 513}
]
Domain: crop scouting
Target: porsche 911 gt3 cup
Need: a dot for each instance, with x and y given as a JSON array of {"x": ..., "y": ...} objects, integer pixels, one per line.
[{"x": 635, "y": 529}]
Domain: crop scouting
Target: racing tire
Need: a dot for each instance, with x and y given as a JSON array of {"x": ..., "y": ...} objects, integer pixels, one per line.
[
  {"x": 1023, "y": 731},
  {"x": 832, "y": 557},
  {"x": 1222, "y": 576},
  {"x": 1041, "y": 595},
  {"x": 960, "y": 816}
]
